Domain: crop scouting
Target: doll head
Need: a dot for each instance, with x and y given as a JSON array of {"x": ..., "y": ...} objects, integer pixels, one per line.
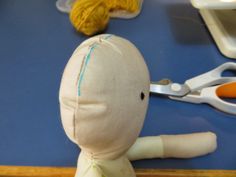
[{"x": 104, "y": 96}]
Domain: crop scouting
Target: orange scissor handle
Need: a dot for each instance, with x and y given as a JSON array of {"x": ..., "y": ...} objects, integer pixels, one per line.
[{"x": 227, "y": 90}]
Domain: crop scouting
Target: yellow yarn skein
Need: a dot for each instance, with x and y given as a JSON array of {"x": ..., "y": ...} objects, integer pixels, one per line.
[
  {"x": 89, "y": 16},
  {"x": 128, "y": 5},
  {"x": 92, "y": 16}
]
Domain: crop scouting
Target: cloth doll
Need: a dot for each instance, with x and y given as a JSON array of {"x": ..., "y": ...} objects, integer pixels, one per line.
[{"x": 103, "y": 101}]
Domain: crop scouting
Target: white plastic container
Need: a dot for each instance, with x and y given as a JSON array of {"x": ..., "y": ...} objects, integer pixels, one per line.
[
  {"x": 214, "y": 4},
  {"x": 220, "y": 18}
]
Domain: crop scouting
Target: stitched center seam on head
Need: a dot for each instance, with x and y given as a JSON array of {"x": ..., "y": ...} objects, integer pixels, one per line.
[
  {"x": 87, "y": 58},
  {"x": 86, "y": 61}
]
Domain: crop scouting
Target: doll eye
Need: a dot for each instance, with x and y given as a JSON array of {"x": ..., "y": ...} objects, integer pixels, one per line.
[{"x": 142, "y": 96}]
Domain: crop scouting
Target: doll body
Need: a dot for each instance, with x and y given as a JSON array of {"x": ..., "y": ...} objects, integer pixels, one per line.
[
  {"x": 103, "y": 99},
  {"x": 164, "y": 146}
]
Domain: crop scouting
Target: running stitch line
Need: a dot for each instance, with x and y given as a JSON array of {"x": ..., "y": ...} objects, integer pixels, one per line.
[{"x": 87, "y": 58}]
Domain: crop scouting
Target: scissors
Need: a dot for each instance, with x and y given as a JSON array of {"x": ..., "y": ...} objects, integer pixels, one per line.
[{"x": 209, "y": 88}]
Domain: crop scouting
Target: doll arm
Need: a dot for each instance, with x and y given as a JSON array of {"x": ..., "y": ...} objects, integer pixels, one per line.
[
  {"x": 174, "y": 146},
  {"x": 146, "y": 148}
]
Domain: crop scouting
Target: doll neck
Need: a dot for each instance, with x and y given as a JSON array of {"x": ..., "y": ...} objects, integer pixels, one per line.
[{"x": 88, "y": 167}]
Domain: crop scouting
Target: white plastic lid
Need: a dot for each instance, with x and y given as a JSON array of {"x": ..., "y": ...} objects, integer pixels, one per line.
[
  {"x": 222, "y": 26},
  {"x": 66, "y": 5},
  {"x": 214, "y": 4}
]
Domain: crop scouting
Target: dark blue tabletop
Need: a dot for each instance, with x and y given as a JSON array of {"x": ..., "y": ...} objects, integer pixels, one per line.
[{"x": 36, "y": 42}]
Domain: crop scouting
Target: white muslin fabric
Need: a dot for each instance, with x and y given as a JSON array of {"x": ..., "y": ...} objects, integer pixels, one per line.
[{"x": 103, "y": 98}]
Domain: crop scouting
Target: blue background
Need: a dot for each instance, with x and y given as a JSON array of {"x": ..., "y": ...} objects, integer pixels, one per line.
[{"x": 36, "y": 42}]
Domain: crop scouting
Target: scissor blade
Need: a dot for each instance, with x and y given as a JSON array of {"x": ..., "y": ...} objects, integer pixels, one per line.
[
  {"x": 193, "y": 97},
  {"x": 171, "y": 89}
]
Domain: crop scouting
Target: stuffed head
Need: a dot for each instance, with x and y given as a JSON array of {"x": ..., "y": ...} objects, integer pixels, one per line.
[{"x": 104, "y": 96}]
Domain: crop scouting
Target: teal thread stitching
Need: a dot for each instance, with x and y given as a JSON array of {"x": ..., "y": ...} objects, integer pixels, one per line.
[
  {"x": 108, "y": 36},
  {"x": 87, "y": 58}
]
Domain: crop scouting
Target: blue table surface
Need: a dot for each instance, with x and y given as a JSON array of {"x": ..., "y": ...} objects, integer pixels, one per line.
[{"x": 36, "y": 42}]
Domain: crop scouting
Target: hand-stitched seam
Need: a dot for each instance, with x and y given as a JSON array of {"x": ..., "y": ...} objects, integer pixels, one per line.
[
  {"x": 85, "y": 63},
  {"x": 80, "y": 76},
  {"x": 87, "y": 58}
]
